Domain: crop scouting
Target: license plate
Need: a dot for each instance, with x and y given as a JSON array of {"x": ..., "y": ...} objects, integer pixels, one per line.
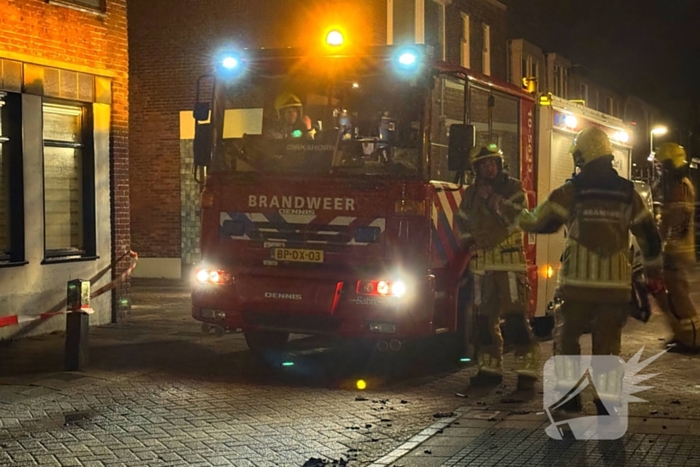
[{"x": 298, "y": 256}]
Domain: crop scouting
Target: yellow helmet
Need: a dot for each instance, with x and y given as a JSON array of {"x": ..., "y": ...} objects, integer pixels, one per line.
[
  {"x": 589, "y": 145},
  {"x": 479, "y": 153},
  {"x": 671, "y": 152},
  {"x": 286, "y": 100}
]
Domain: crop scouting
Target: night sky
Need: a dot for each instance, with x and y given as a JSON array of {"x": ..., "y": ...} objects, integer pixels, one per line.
[{"x": 650, "y": 48}]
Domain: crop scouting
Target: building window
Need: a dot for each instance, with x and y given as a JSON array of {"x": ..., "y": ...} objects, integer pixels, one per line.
[
  {"x": 583, "y": 93},
  {"x": 524, "y": 68},
  {"x": 99, "y": 5},
  {"x": 69, "y": 224},
  {"x": 557, "y": 80},
  {"x": 486, "y": 59},
  {"x": 435, "y": 27},
  {"x": 4, "y": 186},
  {"x": 11, "y": 180},
  {"x": 609, "y": 106},
  {"x": 466, "y": 42},
  {"x": 564, "y": 83}
]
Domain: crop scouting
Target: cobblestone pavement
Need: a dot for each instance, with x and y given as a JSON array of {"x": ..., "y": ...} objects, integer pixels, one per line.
[{"x": 158, "y": 392}]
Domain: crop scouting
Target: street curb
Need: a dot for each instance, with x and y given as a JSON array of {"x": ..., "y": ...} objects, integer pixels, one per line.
[{"x": 420, "y": 438}]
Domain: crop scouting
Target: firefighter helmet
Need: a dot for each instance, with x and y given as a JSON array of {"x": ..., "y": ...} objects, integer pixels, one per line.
[
  {"x": 589, "y": 145},
  {"x": 480, "y": 153},
  {"x": 671, "y": 152},
  {"x": 286, "y": 100}
]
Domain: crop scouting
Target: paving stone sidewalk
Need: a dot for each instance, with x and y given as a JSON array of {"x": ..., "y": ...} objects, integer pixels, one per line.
[{"x": 494, "y": 438}]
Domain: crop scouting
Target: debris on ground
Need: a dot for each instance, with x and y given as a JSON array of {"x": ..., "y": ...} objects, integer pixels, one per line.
[
  {"x": 318, "y": 462},
  {"x": 428, "y": 451},
  {"x": 676, "y": 402},
  {"x": 444, "y": 415},
  {"x": 361, "y": 399},
  {"x": 511, "y": 401},
  {"x": 72, "y": 417},
  {"x": 461, "y": 395}
]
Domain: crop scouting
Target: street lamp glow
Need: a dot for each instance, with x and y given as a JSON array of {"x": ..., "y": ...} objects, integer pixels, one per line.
[{"x": 659, "y": 131}]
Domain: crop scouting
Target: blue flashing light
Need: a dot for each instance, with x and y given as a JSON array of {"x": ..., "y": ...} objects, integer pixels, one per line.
[
  {"x": 296, "y": 134},
  {"x": 287, "y": 364},
  {"x": 465, "y": 360},
  {"x": 229, "y": 63},
  {"x": 407, "y": 58}
]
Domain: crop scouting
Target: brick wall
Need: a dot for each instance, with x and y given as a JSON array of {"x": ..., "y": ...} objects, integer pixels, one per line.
[
  {"x": 53, "y": 33},
  {"x": 480, "y": 12},
  {"x": 171, "y": 45}
]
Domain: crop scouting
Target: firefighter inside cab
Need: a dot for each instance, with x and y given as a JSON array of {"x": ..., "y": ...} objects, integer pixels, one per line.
[
  {"x": 498, "y": 267},
  {"x": 291, "y": 123}
]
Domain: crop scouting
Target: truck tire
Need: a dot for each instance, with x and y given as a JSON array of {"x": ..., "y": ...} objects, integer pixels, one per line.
[{"x": 262, "y": 341}]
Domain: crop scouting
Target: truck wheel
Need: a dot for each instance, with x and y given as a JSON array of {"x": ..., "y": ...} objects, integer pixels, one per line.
[{"x": 262, "y": 341}]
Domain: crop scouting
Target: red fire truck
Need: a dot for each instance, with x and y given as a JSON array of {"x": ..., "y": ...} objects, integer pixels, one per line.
[{"x": 337, "y": 217}]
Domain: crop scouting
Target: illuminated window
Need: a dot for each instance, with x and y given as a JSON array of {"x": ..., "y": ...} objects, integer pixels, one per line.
[{"x": 68, "y": 182}]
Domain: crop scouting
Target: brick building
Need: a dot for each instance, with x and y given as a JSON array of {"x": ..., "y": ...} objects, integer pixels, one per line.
[
  {"x": 64, "y": 204},
  {"x": 172, "y": 44}
]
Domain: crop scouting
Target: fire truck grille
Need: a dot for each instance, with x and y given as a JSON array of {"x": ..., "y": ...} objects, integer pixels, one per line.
[
  {"x": 293, "y": 323},
  {"x": 301, "y": 229}
]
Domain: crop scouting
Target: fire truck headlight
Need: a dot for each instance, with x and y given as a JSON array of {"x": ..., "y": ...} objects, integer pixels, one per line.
[
  {"x": 214, "y": 276},
  {"x": 398, "y": 289},
  {"x": 203, "y": 276},
  {"x": 571, "y": 121}
]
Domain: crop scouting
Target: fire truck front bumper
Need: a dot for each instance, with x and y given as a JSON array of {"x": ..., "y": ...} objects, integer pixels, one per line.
[{"x": 345, "y": 308}]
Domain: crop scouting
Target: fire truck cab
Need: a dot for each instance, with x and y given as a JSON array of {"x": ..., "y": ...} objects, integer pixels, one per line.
[{"x": 330, "y": 184}]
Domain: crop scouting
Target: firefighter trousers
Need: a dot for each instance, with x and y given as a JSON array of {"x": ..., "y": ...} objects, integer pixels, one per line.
[
  {"x": 683, "y": 318},
  {"x": 572, "y": 317},
  {"x": 502, "y": 294}
]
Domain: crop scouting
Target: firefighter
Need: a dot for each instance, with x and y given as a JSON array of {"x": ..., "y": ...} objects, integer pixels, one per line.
[
  {"x": 678, "y": 233},
  {"x": 599, "y": 209},
  {"x": 498, "y": 268},
  {"x": 291, "y": 121}
]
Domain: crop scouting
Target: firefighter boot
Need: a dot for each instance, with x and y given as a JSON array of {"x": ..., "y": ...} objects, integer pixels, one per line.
[
  {"x": 528, "y": 369},
  {"x": 608, "y": 385},
  {"x": 567, "y": 376},
  {"x": 687, "y": 335},
  {"x": 490, "y": 372}
]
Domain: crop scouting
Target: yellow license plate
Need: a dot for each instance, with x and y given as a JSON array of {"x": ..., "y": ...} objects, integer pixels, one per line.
[{"x": 298, "y": 256}]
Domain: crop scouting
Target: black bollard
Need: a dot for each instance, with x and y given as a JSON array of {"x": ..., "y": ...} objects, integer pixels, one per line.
[{"x": 77, "y": 325}]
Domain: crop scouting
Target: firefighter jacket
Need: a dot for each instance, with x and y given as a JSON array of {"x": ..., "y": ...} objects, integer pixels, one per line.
[
  {"x": 599, "y": 209},
  {"x": 677, "y": 226},
  {"x": 498, "y": 242}
]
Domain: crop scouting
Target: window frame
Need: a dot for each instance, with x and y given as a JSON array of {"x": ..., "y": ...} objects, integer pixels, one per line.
[
  {"x": 12, "y": 149},
  {"x": 465, "y": 44},
  {"x": 89, "y": 220},
  {"x": 486, "y": 52},
  {"x": 82, "y": 5}
]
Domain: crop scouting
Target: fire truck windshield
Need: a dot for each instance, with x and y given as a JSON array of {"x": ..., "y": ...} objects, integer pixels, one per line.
[{"x": 299, "y": 123}]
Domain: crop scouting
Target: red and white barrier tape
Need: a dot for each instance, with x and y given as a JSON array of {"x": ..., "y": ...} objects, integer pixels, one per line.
[{"x": 13, "y": 320}]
